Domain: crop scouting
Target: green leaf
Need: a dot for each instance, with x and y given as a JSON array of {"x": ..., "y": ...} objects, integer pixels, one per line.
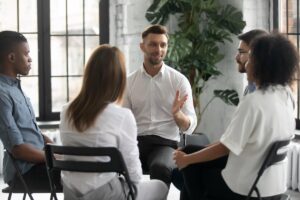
[
  {"x": 230, "y": 97},
  {"x": 232, "y": 19},
  {"x": 160, "y": 10}
]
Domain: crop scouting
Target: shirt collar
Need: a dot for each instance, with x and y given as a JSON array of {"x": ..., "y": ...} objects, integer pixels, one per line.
[
  {"x": 161, "y": 71},
  {"x": 9, "y": 80}
]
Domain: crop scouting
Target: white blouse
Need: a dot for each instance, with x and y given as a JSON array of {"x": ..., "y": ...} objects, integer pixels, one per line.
[
  {"x": 261, "y": 118},
  {"x": 114, "y": 127},
  {"x": 151, "y": 100}
]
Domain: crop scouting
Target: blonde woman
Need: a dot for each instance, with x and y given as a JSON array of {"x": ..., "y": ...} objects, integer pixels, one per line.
[{"x": 95, "y": 118}]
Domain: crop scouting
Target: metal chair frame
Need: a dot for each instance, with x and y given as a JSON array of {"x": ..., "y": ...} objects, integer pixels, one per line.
[
  {"x": 276, "y": 154},
  {"x": 115, "y": 164}
]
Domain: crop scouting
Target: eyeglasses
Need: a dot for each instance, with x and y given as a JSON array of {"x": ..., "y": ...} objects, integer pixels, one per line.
[{"x": 242, "y": 52}]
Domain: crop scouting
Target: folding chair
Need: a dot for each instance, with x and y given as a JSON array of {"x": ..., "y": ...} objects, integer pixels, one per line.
[
  {"x": 116, "y": 163},
  {"x": 25, "y": 190},
  {"x": 276, "y": 154}
]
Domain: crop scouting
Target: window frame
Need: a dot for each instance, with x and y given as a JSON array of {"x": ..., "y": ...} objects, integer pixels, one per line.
[
  {"x": 276, "y": 27},
  {"x": 44, "y": 54}
]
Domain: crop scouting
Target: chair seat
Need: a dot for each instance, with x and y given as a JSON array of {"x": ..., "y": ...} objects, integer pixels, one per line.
[
  {"x": 285, "y": 197},
  {"x": 282, "y": 197}
]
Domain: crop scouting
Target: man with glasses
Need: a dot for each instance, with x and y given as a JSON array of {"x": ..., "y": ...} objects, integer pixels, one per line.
[{"x": 242, "y": 55}]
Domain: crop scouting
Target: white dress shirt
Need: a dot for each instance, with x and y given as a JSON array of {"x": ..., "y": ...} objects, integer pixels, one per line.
[
  {"x": 261, "y": 118},
  {"x": 151, "y": 100},
  {"x": 114, "y": 127}
]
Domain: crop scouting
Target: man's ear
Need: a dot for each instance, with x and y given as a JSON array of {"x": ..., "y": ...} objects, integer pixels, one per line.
[
  {"x": 142, "y": 46},
  {"x": 11, "y": 57}
]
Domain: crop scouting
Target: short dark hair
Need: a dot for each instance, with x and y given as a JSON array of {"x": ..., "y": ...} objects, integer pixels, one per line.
[
  {"x": 8, "y": 39},
  {"x": 274, "y": 59},
  {"x": 156, "y": 29},
  {"x": 249, "y": 36}
]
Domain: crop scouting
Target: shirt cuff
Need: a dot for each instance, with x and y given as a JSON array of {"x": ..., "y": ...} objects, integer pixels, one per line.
[{"x": 192, "y": 126}]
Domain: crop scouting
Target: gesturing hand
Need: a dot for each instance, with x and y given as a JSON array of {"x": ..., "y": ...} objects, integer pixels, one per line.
[{"x": 178, "y": 102}]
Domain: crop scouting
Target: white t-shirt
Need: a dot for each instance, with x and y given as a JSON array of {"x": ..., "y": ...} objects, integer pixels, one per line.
[
  {"x": 114, "y": 127},
  {"x": 261, "y": 118},
  {"x": 151, "y": 99}
]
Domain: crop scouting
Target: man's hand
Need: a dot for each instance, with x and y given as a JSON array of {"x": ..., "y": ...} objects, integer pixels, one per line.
[
  {"x": 46, "y": 139},
  {"x": 178, "y": 103},
  {"x": 182, "y": 121}
]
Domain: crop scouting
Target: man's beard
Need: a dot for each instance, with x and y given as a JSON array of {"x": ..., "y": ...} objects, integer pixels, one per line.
[
  {"x": 155, "y": 62},
  {"x": 241, "y": 66}
]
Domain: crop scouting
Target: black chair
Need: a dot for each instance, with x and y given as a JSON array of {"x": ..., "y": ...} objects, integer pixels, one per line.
[
  {"x": 276, "y": 154},
  {"x": 197, "y": 139},
  {"x": 26, "y": 189},
  {"x": 115, "y": 164}
]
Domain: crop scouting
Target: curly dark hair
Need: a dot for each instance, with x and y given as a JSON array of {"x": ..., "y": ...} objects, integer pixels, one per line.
[{"x": 274, "y": 60}]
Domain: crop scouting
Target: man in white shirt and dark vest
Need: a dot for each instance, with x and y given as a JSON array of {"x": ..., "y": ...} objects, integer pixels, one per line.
[{"x": 161, "y": 100}]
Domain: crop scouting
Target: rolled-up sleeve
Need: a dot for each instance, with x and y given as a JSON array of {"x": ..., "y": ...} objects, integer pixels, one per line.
[
  {"x": 241, "y": 127},
  {"x": 10, "y": 134},
  {"x": 188, "y": 108}
]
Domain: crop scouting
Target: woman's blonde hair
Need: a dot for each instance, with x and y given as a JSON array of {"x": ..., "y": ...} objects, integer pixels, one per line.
[{"x": 104, "y": 82}]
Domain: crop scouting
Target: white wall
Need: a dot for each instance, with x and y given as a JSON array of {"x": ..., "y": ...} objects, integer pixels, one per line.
[{"x": 127, "y": 21}]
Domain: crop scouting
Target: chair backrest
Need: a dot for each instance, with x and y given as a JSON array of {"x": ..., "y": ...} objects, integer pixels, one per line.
[
  {"x": 277, "y": 153},
  {"x": 114, "y": 164}
]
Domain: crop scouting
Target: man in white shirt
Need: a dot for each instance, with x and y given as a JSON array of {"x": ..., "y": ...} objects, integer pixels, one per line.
[{"x": 161, "y": 100}]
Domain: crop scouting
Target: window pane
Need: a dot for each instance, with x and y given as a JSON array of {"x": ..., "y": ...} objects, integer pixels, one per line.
[
  {"x": 288, "y": 16},
  {"x": 288, "y": 8},
  {"x": 91, "y": 17},
  {"x": 74, "y": 86},
  {"x": 75, "y": 56},
  {"x": 8, "y": 10},
  {"x": 58, "y": 56},
  {"x": 293, "y": 38},
  {"x": 58, "y": 16},
  {"x": 75, "y": 18},
  {"x": 59, "y": 93},
  {"x": 28, "y": 15},
  {"x": 33, "y": 45},
  {"x": 30, "y": 86},
  {"x": 91, "y": 42}
]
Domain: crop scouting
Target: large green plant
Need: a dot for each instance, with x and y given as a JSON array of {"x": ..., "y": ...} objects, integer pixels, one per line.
[{"x": 194, "y": 47}]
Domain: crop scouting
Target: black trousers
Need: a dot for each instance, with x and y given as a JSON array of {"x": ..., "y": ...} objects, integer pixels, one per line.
[
  {"x": 203, "y": 181},
  {"x": 36, "y": 179},
  {"x": 156, "y": 155}
]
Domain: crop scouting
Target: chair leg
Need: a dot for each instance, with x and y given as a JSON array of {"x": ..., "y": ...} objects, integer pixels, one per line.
[
  {"x": 30, "y": 196},
  {"x": 53, "y": 196},
  {"x": 9, "y": 195}
]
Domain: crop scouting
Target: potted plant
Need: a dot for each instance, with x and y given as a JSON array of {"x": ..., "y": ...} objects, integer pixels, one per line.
[{"x": 193, "y": 47}]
